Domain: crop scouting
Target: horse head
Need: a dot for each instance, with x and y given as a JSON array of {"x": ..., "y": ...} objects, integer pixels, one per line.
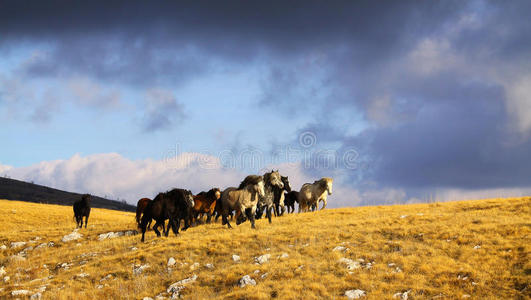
[
  {"x": 285, "y": 181},
  {"x": 274, "y": 179}
]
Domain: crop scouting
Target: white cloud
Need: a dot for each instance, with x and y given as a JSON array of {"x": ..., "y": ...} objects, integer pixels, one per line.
[{"x": 118, "y": 177}]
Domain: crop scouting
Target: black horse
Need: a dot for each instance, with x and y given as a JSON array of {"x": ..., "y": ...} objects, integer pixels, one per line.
[
  {"x": 82, "y": 209},
  {"x": 279, "y": 207},
  {"x": 174, "y": 205},
  {"x": 290, "y": 199}
]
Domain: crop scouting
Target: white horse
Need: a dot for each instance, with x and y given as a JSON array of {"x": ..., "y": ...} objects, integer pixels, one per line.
[{"x": 311, "y": 193}]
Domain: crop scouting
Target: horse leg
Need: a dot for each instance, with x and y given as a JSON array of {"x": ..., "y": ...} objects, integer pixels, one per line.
[
  {"x": 175, "y": 226},
  {"x": 238, "y": 217},
  {"x": 268, "y": 213},
  {"x": 209, "y": 218},
  {"x": 156, "y": 228},
  {"x": 251, "y": 217},
  {"x": 86, "y": 221},
  {"x": 324, "y": 204},
  {"x": 225, "y": 220},
  {"x": 167, "y": 229}
]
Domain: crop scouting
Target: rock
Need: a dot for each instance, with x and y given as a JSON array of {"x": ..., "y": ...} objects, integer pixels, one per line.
[
  {"x": 36, "y": 296},
  {"x": 171, "y": 262},
  {"x": 130, "y": 232},
  {"x": 391, "y": 265},
  {"x": 82, "y": 275},
  {"x": 263, "y": 276},
  {"x": 43, "y": 245},
  {"x": 235, "y": 258},
  {"x": 354, "y": 294},
  {"x": 284, "y": 255},
  {"x": 42, "y": 289},
  {"x": 340, "y": 249},
  {"x": 262, "y": 259},
  {"x": 17, "y": 257},
  {"x": 6, "y": 278},
  {"x": 209, "y": 266},
  {"x": 72, "y": 236},
  {"x": 99, "y": 286},
  {"x": 194, "y": 266},
  {"x": 27, "y": 249},
  {"x": 134, "y": 248},
  {"x": 2, "y": 271},
  {"x": 177, "y": 287},
  {"x": 108, "y": 277},
  {"x": 476, "y": 247},
  {"x": 51, "y": 244},
  {"x": 401, "y": 296},
  {"x": 404, "y": 216},
  {"x": 3, "y": 247},
  {"x": 147, "y": 298},
  {"x": 256, "y": 271},
  {"x": 109, "y": 235},
  {"x": 20, "y": 293},
  {"x": 465, "y": 296},
  {"x": 246, "y": 280},
  {"x": 351, "y": 264},
  {"x": 138, "y": 270},
  {"x": 17, "y": 244}
]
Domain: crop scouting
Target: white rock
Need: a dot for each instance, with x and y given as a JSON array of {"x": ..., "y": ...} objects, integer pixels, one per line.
[
  {"x": 42, "y": 289},
  {"x": 177, "y": 287},
  {"x": 6, "y": 278},
  {"x": 20, "y": 293},
  {"x": 147, "y": 298},
  {"x": 476, "y": 247},
  {"x": 262, "y": 259},
  {"x": 2, "y": 271},
  {"x": 209, "y": 266},
  {"x": 17, "y": 257},
  {"x": 465, "y": 296},
  {"x": 194, "y": 266},
  {"x": 36, "y": 296},
  {"x": 171, "y": 262},
  {"x": 51, "y": 244},
  {"x": 3, "y": 247},
  {"x": 404, "y": 216},
  {"x": 130, "y": 232},
  {"x": 43, "y": 245},
  {"x": 17, "y": 244},
  {"x": 109, "y": 235},
  {"x": 27, "y": 249},
  {"x": 263, "y": 276},
  {"x": 99, "y": 286},
  {"x": 108, "y": 277},
  {"x": 351, "y": 264},
  {"x": 284, "y": 255},
  {"x": 354, "y": 294},
  {"x": 82, "y": 275},
  {"x": 256, "y": 271},
  {"x": 134, "y": 248},
  {"x": 246, "y": 280},
  {"x": 235, "y": 258},
  {"x": 138, "y": 270},
  {"x": 340, "y": 249},
  {"x": 401, "y": 296},
  {"x": 391, "y": 265},
  {"x": 72, "y": 236}
]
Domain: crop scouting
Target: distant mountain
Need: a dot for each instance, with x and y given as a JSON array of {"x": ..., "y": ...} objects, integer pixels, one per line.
[{"x": 12, "y": 189}]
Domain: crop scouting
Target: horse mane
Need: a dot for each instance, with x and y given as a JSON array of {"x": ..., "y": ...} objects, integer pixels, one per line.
[
  {"x": 250, "y": 180},
  {"x": 212, "y": 193},
  {"x": 86, "y": 197}
]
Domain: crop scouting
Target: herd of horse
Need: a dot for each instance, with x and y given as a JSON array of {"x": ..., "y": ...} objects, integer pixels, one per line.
[{"x": 257, "y": 194}]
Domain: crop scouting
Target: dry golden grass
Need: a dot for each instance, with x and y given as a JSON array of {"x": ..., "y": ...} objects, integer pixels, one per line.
[{"x": 433, "y": 246}]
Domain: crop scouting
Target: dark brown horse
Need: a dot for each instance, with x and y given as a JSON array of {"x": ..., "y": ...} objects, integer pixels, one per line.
[
  {"x": 82, "y": 209},
  {"x": 279, "y": 196},
  {"x": 205, "y": 203},
  {"x": 174, "y": 205},
  {"x": 140, "y": 206},
  {"x": 290, "y": 199}
]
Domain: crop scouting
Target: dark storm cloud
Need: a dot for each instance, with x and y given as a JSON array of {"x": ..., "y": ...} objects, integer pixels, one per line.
[{"x": 436, "y": 112}]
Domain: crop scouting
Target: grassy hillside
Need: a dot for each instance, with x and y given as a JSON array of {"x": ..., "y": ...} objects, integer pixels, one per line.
[
  {"x": 445, "y": 250},
  {"x": 13, "y": 189}
]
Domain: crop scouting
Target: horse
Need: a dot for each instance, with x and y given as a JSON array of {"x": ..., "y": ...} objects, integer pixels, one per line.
[
  {"x": 271, "y": 180},
  {"x": 205, "y": 202},
  {"x": 242, "y": 199},
  {"x": 140, "y": 206},
  {"x": 312, "y": 193},
  {"x": 175, "y": 205},
  {"x": 82, "y": 209},
  {"x": 290, "y": 199},
  {"x": 279, "y": 198}
]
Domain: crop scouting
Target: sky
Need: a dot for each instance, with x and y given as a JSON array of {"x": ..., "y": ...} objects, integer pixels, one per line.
[{"x": 398, "y": 101}]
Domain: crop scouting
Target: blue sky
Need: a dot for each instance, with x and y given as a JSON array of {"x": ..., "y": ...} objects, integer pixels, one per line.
[{"x": 408, "y": 99}]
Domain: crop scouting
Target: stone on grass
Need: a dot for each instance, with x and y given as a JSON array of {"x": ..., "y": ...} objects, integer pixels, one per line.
[
  {"x": 194, "y": 266},
  {"x": 171, "y": 262},
  {"x": 284, "y": 255},
  {"x": 476, "y": 247},
  {"x": 137, "y": 270},
  {"x": 17, "y": 244},
  {"x": 354, "y": 294},
  {"x": 109, "y": 235},
  {"x": 178, "y": 286},
  {"x": 72, "y": 236},
  {"x": 20, "y": 293},
  {"x": 209, "y": 266},
  {"x": 351, "y": 264},
  {"x": 340, "y": 249},
  {"x": 235, "y": 258},
  {"x": 6, "y": 278},
  {"x": 36, "y": 296},
  {"x": 246, "y": 280},
  {"x": 147, "y": 298},
  {"x": 3, "y": 247},
  {"x": 262, "y": 259},
  {"x": 2, "y": 271},
  {"x": 401, "y": 296}
]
